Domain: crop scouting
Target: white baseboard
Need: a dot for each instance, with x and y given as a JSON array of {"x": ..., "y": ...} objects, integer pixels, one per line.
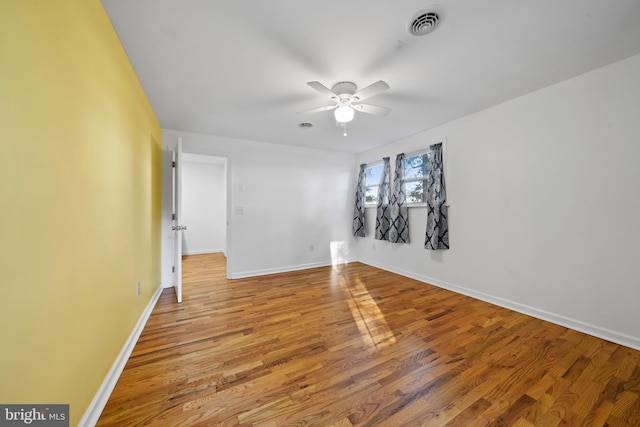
[
  {"x": 202, "y": 251},
  {"x": 266, "y": 271},
  {"x": 98, "y": 403},
  {"x": 558, "y": 319}
]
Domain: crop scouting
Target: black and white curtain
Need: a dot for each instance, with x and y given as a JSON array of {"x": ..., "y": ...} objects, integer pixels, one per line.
[
  {"x": 358, "y": 212},
  {"x": 383, "y": 212},
  {"x": 437, "y": 236},
  {"x": 399, "y": 231}
]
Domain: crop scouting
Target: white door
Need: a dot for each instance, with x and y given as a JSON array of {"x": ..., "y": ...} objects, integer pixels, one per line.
[{"x": 176, "y": 225}]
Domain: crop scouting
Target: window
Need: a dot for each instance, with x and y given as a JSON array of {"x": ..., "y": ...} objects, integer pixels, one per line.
[
  {"x": 416, "y": 173},
  {"x": 372, "y": 182}
]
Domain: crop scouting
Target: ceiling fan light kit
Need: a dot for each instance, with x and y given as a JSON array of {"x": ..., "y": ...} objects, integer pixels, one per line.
[{"x": 344, "y": 113}]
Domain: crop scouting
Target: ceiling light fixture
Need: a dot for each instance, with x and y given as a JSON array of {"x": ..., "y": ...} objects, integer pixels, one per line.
[
  {"x": 347, "y": 99},
  {"x": 344, "y": 113}
]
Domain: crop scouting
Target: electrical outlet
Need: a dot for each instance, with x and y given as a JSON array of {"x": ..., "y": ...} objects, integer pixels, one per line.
[{"x": 138, "y": 289}]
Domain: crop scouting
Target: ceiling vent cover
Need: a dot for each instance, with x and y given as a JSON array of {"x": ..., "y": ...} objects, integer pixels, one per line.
[{"x": 423, "y": 23}]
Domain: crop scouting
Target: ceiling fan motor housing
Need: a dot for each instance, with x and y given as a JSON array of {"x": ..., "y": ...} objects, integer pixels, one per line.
[{"x": 344, "y": 88}]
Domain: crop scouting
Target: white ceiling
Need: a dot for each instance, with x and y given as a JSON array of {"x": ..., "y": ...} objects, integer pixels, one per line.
[{"x": 239, "y": 68}]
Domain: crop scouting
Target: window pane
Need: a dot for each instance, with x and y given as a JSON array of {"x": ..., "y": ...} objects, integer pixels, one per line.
[
  {"x": 416, "y": 166},
  {"x": 371, "y": 194},
  {"x": 415, "y": 192},
  {"x": 373, "y": 175}
]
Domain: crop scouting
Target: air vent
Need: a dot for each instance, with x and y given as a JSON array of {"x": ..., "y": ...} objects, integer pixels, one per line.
[
  {"x": 305, "y": 125},
  {"x": 423, "y": 23}
]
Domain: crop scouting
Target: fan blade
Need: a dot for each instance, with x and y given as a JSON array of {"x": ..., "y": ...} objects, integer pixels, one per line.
[
  {"x": 316, "y": 110},
  {"x": 372, "y": 109},
  {"x": 323, "y": 90},
  {"x": 371, "y": 90}
]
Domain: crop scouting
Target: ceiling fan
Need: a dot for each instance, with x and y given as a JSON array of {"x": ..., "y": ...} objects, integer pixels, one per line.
[{"x": 347, "y": 100}]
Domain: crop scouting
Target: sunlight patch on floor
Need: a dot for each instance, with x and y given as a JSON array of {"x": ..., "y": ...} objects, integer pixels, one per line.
[{"x": 369, "y": 319}]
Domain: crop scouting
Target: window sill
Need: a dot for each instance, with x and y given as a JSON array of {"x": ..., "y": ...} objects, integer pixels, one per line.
[{"x": 412, "y": 205}]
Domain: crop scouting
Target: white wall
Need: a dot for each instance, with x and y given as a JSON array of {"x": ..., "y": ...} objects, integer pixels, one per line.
[
  {"x": 204, "y": 204},
  {"x": 292, "y": 198},
  {"x": 545, "y": 205}
]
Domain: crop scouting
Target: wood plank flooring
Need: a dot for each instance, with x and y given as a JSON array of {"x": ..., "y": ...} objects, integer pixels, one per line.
[{"x": 356, "y": 346}]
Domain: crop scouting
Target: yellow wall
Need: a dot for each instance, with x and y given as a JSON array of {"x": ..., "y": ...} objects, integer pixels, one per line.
[{"x": 80, "y": 195}]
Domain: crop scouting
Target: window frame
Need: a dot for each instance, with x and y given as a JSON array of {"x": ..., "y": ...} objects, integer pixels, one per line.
[
  {"x": 426, "y": 150},
  {"x": 424, "y": 179},
  {"x": 376, "y": 185}
]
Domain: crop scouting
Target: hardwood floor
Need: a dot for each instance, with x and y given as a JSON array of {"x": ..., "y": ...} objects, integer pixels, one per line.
[{"x": 356, "y": 346}]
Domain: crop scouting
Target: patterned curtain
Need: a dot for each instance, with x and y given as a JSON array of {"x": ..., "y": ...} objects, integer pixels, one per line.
[
  {"x": 437, "y": 236},
  {"x": 383, "y": 213},
  {"x": 358, "y": 212},
  {"x": 399, "y": 231}
]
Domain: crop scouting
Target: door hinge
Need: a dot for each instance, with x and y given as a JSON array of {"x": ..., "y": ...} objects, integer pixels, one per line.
[
  {"x": 173, "y": 269},
  {"x": 173, "y": 164},
  {"x": 173, "y": 217}
]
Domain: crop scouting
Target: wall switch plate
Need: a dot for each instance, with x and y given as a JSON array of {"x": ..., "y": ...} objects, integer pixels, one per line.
[{"x": 138, "y": 289}]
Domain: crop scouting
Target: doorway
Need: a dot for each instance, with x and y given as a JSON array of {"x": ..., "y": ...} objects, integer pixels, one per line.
[
  {"x": 170, "y": 262},
  {"x": 204, "y": 204}
]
